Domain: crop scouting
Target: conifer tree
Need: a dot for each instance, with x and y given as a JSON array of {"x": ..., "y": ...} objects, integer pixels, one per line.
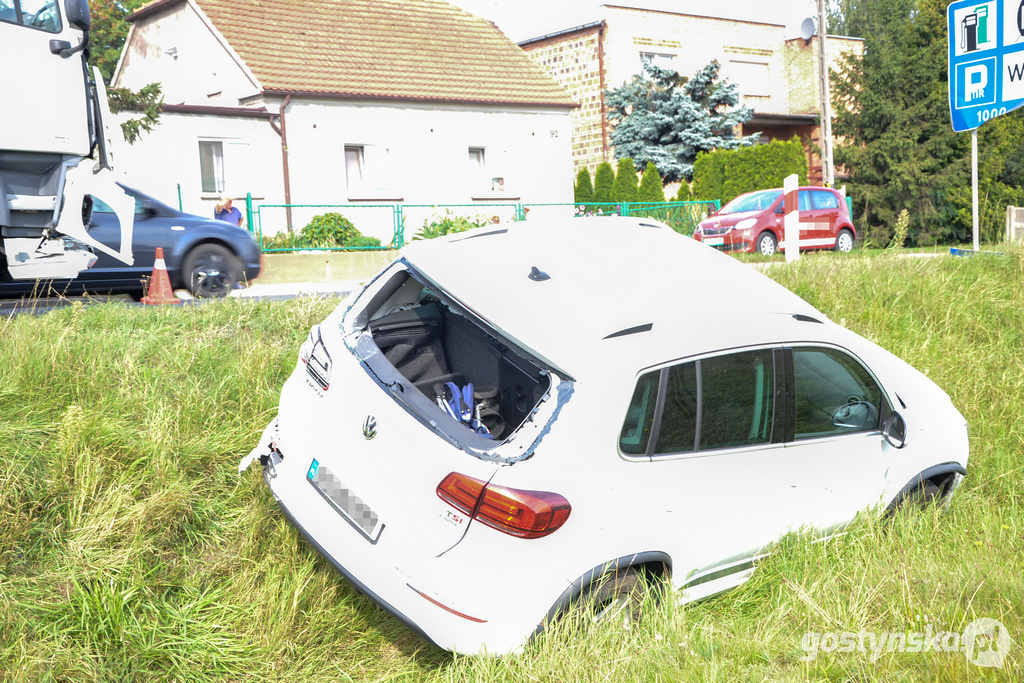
[
  {"x": 583, "y": 192},
  {"x": 625, "y": 188},
  {"x": 665, "y": 118},
  {"x": 604, "y": 179},
  {"x": 651, "y": 189}
]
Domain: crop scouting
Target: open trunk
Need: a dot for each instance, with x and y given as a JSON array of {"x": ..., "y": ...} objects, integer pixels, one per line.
[{"x": 428, "y": 349}]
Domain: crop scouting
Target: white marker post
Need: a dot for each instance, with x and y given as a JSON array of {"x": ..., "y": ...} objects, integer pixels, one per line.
[{"x": 791, "y": 219}]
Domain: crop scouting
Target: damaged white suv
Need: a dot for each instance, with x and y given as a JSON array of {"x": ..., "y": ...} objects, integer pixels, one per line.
[{"x": 507, "y": 418}]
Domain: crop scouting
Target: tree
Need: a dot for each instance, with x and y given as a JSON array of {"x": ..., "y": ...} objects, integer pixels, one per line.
[
  {"x": 583, "y": 192},
  {"x": 624, "y": 189},
  {"x": 651, "y": 189},
  {"x": 146, "y": 101},
  {"x": 604, "y": 179},
  {"x": 727, "y": 173},
  {"x": 106, "y": 40},
  {"x": 892, "y": 119},
  {"x": 666, "y": 119},
  {"x": 108, "y": 32}
]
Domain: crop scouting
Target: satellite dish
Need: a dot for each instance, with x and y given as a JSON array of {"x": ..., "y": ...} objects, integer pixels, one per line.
[{"x": 808, "y": 27}]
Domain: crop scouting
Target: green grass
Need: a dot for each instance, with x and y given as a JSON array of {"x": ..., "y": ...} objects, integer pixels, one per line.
[{"x": 130, "y": 549}]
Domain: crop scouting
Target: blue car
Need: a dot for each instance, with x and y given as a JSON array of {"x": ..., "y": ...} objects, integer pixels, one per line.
[{"x": 205, "y": 256}]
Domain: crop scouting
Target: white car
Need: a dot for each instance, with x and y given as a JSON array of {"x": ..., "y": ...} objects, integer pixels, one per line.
[{"x": 623, "y": 423}]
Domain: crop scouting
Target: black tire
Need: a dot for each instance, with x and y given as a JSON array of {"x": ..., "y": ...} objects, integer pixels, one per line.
[
  {"x": 923, "y": 496},
  {"x": 919, "y": 499},
  {"x": 766, "y": 244},
  {"x": 619, "y": 595},
  {"x": 211, "y": 271},
  {"x": 844, "y": 241}
]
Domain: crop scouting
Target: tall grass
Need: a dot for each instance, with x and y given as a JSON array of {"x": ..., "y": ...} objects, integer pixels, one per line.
[{"x": 131, "y": 550}]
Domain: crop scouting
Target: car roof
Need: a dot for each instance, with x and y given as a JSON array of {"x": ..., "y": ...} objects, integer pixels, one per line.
[{"x": 629, "y": 287}]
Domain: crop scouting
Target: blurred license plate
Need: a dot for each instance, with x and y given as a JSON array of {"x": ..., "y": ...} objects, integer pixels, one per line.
[
  {"x": 348, "y": 504},
  {"x": 714, "y": 241}
]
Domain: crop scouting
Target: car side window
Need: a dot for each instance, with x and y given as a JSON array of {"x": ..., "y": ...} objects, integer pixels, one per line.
[
  {"x": 834, "y": 394},
  {"x": 712, "y": 403},
  {"x": 804, "y": 199},
  {"x": 824, "y": 200},
  {"x": 677, "y": 432},
  {"x": 100, "y": 206},
  {"x": 736, "y": 400},
  {"x": 636, "y": 430}
]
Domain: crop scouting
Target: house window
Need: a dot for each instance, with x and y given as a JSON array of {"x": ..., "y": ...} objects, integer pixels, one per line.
[
  {"x": 211, "y": 165},
  {"x": 477, "y": 160},
  {"x": 354, "y": 163},
  {"x": 751, "y": 77},
  {"x": 664, "y": 61}
]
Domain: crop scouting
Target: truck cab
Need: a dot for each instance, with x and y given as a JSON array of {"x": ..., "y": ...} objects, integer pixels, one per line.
[{"x": 53, "y": 144}]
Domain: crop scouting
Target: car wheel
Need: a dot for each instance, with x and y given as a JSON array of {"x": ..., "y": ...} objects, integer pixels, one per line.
[
  {"x": 766, "y": 244},
  {"x": 211, "y": 271},
  {"x": 920, "y": 498},
  {"x": 616, "y": 598},
  {"x": 844, "y": 242}
]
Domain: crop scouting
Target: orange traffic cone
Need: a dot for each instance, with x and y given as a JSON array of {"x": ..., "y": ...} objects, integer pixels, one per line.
[{"x": 160, "y": 291}]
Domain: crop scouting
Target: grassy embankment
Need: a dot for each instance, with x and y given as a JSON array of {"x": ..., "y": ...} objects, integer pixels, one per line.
[{"x": 131, "y": 550}]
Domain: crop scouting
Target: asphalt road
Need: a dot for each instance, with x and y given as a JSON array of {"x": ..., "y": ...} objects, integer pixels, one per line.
[{"x": 272, "y": 292}]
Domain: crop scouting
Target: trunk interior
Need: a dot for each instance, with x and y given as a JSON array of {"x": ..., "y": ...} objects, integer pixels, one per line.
[{"x": 441, "y": 352}]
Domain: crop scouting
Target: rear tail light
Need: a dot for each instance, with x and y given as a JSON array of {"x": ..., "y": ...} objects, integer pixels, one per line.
[{"x": 525, "y": 514}]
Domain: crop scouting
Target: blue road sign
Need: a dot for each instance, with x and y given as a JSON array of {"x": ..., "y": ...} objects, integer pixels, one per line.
[{"x": 986, "y": 60}]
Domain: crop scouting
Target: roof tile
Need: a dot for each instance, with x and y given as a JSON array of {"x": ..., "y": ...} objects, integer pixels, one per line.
[{"x": 400, "y": 49}]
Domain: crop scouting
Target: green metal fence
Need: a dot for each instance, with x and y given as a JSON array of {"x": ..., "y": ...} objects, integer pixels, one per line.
[{"x": 404, "y": 221}]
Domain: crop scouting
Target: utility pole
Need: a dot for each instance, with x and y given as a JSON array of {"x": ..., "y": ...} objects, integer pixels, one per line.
[{"x": 827, "y": 169}]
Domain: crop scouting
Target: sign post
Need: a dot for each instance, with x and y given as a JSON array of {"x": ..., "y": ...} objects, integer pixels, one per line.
[{"x": 986, "y": 69}]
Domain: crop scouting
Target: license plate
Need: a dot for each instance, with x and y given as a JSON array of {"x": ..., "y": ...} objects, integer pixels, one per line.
[
  {"x": 350, "y": 506},
  {"x": 714, "y": 241}
]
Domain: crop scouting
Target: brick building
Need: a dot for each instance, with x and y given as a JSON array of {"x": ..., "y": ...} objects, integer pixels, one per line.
[{"x": 777, "y": 72}]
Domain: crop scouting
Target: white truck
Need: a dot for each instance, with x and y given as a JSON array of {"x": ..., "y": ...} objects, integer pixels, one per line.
[{"x": 54, "y": 146}]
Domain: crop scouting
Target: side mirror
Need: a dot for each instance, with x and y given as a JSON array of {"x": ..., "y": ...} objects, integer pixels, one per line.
[
  {"x": 895, "y": 430},
  {"x": 77, "y": 12}
]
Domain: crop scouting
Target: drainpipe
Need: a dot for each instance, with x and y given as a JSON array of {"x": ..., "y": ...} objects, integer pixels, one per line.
[
  {"x": 283, "y": 132},
  {"x": 600, "y": 72}
]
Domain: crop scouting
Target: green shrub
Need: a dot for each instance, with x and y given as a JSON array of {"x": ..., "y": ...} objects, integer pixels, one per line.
[
  {"x": 684, "y": 194},
  {"x": 326, "y": 231},
  {"x": 583, "y": 192},
  {"x": 625, "y": 186},
  {"x": 604, "y": 180},
  {"x": 651, "y": 189},
  {"x": 726, "y": 174},
  {"x": 448, "y": 224}
]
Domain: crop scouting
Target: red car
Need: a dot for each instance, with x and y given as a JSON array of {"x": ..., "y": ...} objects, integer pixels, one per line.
[{"x": 754, "y": 222}]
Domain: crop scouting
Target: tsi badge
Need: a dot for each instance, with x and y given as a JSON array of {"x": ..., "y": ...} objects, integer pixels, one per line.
[{"x": 369, "y": 427}]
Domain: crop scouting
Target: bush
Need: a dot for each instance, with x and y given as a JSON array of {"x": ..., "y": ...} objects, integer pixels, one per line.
[
  {"x": 624, "y": 189},
  {"x": 583, "y": 192},
  {"x": 326, "y": 231},
  {"x": 604, "y": 180},
  {"x": 651, "y": 189},
  {"x": 726, "y": 174},
  {"x": 438, "y": 227}
]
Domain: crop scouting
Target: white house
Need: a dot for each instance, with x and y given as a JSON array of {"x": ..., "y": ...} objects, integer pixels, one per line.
[{"x": 360, "y": 103}]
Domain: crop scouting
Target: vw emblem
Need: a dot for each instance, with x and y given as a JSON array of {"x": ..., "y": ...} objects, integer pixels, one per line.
[{"x": 370, "y": 427}]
